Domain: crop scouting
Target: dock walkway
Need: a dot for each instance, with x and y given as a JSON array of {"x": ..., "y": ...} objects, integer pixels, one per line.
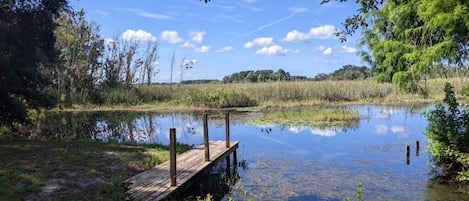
[{"x": 155, "y": 184}]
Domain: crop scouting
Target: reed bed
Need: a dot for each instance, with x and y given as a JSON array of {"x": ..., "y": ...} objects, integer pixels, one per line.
[{"x": 281, "y": 94}]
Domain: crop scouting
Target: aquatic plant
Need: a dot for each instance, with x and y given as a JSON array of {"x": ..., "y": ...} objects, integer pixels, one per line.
[{"x": 314, "y": 117}]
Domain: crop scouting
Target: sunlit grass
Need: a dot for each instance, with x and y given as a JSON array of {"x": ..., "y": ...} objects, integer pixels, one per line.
[{"x": 315, "y": 116}]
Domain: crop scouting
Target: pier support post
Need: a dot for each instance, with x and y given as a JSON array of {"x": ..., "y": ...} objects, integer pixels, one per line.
[
  {"x": 417, "y": 148},
  {"x": 227, "y": 129},
  {"x": 408, "y": 155},
  {"x": 206, "y": 143},
  {"x": 228, "y": 165},
  {"x": 172, "y": 153},
  {"x": 235, "y": 159}
]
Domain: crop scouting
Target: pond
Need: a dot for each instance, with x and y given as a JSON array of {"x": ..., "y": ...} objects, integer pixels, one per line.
[{"x": 290, "y": 162}]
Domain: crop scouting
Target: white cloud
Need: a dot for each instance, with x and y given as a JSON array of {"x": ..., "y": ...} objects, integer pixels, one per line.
[
  {"x": 225, "y": 49},
  {"x": 296, "y": 36},
  {"x": 322, "y": 32},
  {"x": 250, "y": 1},
  {"x": 155, "y": 16},
  {"x": 320, "y": 48},
  {"x": 202, "y": 49},
  {"x": 347, "y": 49},
  {"x": 251, "y": 8},
  {"x": 261, "y": 41},
  {"x": 187, "y": 44},
  {"x": 327, "y": 51},
  {"x": 138, "y": 36},
  {"x": 197, "y": 36},
  {"x": 272, "y": 50},
  {"x": 146, "y": 14},
  {"x": 171, "y": 36},
  {"x": 298, "y": 9},
  {"x": 231, "y": 18},
  {"x": 249, "y": 45}
]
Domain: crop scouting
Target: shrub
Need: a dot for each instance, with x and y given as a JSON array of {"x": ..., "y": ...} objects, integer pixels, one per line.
[
  {"x": 121, "y": 95},
  {"x": 154, "y": 94},
  {"x": 225, "y": 98},
  {"x": 448, "y": 133}
]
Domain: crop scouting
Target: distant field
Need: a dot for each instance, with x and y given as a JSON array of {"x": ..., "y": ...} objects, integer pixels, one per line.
[{"x": 272, "y": 94}]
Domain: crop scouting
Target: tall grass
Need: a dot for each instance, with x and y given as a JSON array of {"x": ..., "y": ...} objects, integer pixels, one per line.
[{"x": 273, "y": 93}]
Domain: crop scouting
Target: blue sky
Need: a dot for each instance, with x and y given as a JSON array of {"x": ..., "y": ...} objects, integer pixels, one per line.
[{"x": 228, "y": 36}]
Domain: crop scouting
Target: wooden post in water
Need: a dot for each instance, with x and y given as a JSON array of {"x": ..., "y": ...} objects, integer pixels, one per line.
[
  {"x": 235, "y": 159},
  {"x": 228, "y": 166},
  {"x": 227, "y": 129},
  {"x": 408, "y": 155},
  {"x": 207, "y": 151},
  {"x": 417, "y": 148},
  {"x": 172, "y": 155}
]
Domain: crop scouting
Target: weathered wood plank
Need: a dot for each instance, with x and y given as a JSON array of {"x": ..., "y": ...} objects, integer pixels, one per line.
[
  {"x": 163, "y": 189},
  {"x": 155, "y": 184},
  {"x": 219, "y": 152}
]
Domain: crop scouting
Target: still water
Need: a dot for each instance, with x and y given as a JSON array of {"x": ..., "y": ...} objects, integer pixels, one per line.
[{"x": 290, "y": 162}]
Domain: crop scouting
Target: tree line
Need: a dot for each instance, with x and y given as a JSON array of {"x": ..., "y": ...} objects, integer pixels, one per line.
[
  {"x": 347, "y": 72},
  {"x": 261, "y": 76}
]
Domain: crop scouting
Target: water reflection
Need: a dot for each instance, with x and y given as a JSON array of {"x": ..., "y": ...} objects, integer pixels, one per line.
[
  {"x": 287, "y": 162},
  {"x": 122, "y": 127}
]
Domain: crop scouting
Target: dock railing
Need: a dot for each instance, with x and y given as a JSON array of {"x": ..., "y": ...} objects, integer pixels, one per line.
[{"x": 172, "y": 146}]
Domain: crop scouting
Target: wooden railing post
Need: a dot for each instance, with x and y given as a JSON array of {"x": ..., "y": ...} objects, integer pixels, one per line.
[
  {"x": 172, "y": 153},
  {"x": 408, "y": 155},
  {"x": 417, "y": 148},
  {"x": 227, "y": 129},
  {"x": 207, "y": 151}
]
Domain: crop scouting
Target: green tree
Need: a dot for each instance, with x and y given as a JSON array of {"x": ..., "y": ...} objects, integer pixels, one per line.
[
  {"x": 406, "y": 38},
  {"x": 81, "y": 50},
  {"x": 282, "y": 75},
  {"x": 26, "y": 50},
  {"x": 448, "y": 132}
]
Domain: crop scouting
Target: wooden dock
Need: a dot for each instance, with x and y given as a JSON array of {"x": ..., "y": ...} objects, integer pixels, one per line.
[{"x": 164, "y": 179}]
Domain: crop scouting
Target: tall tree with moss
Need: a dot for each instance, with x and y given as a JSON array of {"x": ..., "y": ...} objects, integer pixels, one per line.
[
  {"x": 26, "y": 48},
  {"x": 406, "y": 38}
]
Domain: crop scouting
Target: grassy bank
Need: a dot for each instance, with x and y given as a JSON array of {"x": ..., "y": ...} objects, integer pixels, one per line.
[
  {"x": 53, "y": 170},
  {"x": 264, "y": 95},
  {"x": 313, "y": 117}
]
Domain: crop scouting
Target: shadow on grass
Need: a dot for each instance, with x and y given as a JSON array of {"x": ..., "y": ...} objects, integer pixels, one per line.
[{"x": 71, "y": 170}]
